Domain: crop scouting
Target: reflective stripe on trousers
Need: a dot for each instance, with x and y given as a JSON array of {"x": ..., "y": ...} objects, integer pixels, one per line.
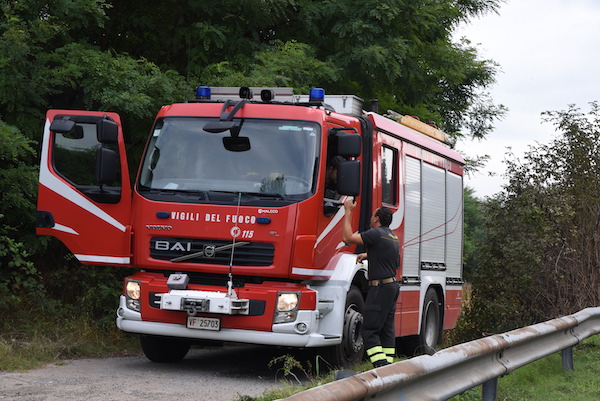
[{"x": 376, "y": 354}]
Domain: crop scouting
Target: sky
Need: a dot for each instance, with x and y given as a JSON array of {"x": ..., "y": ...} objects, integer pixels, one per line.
[{"x": 548, "y": 53}]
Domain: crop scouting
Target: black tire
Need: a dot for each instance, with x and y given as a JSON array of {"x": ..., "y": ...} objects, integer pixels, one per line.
[
  {"x": 164, "y": 349},
  {"x": 352, "y": 348},
  {"x": 431, "y": 327}
]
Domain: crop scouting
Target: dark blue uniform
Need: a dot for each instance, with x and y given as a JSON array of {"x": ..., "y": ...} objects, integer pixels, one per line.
[{"x": 383, "y": 252}]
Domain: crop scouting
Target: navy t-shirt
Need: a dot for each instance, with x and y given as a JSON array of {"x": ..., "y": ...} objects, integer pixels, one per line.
[{"x": 383, "y": 252}]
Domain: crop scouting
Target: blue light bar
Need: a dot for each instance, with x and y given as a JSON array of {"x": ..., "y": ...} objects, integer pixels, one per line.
[
  {"x": 203, "y": 92},
  {"x": 317, "y": 95}
]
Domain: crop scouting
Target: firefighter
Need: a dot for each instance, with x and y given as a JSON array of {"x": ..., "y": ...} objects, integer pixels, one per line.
[
  {"x": 383, "y": 253},
  {"x": 331, "y": 178}
]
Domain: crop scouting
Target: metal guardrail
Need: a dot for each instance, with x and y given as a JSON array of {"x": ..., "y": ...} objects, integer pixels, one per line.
[{"x": 454, "y": 370}]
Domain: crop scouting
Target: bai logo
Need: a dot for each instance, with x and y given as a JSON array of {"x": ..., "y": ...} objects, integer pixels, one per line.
[{"x": 173, "y": 246}]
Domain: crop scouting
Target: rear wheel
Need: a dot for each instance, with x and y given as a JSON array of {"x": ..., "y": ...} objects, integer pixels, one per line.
[
  {"x": 431, "y": 324},
  {"x": 351, "y": 350},
  {"x": 164, "y": 349}
]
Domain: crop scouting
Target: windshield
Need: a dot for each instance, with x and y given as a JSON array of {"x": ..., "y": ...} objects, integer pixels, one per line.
[{"x": 280, "y": 162}]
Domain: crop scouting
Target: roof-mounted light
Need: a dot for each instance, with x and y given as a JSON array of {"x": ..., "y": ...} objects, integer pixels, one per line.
[
  {"x": 246, "y": 93},
  {"x": 203, "y": 92},
  {"x": 317, "y": 95},
  {"x": 267, "y": 95}
]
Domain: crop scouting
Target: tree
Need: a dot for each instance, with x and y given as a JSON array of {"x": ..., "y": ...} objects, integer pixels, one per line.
[
  {"x": 132, "y": 58},
  {"x": 43, "y": 63},
  {"x": 18, "y": 179},
  {"x": 18, "y": 183},
  {"x": 399, "y": 51},
  {"x": 540, "y": 257},
  {"x": 276, "y": 65},
  {"x": 473, "y": 232}
]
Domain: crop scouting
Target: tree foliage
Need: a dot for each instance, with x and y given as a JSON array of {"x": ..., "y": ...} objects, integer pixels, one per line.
[
  {"x": 473, "y": 233},
  {"x": 540, "y": 255},
  {"x": 18, "y": 179},
  {"x": 133, "y": 57},
  {"x": 399, "y": 51}
]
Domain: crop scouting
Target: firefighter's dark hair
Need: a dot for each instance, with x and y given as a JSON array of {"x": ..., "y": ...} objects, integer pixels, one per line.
[
  {"x": 385, "y": 216},
  {"x": 335, "y": 162}
]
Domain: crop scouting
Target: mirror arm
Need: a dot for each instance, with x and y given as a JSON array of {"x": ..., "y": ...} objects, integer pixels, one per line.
[
  {"x": 228, "y": 116},
  {"x": 335, "y": 130}
]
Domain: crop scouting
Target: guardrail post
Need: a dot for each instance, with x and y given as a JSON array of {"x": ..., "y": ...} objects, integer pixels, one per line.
[
  {"x": 567, "y": 359},
  {"x": 489, "y": 390}
]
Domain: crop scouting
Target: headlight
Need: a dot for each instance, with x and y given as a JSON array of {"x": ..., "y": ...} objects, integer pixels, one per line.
[
  {"x": 287, "y": 301},
  {"x": 132, "y": 289},
  {"x": 287, "y": 307},
  {"x": 133, "y": 292}
]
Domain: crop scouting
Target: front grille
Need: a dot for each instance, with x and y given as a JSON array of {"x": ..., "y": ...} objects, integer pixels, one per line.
[{"x": 250, "y": 254}]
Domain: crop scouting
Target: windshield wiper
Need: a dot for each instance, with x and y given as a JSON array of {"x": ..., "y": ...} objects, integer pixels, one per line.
[
  {"x": 266, "y": 195},
  {"x": 167, "y": 191},
  {"x": 270, "y": 195}
]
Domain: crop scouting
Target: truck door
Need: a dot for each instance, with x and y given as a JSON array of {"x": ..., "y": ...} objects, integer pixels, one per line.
[{"x": 84, "y": 194}]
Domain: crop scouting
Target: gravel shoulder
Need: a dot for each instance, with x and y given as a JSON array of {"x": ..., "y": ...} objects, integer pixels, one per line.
[{"x": 220, "y": 374}]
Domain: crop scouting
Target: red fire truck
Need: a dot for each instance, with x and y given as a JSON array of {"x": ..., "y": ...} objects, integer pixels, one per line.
[{"x": 233, "y": 224}]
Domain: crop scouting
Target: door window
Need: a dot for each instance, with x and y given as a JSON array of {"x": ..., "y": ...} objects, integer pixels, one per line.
[
  {"x": 81, "y": 159},
  {"x": 389, "y": 168}
]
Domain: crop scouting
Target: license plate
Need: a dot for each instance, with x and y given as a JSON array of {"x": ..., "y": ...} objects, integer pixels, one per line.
[{"x": 203, "y": 323}]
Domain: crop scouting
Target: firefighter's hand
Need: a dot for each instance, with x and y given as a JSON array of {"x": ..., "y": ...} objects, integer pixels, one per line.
[
  {"x": 349, "y": 205},
  {"x": 361, "y": 257}
]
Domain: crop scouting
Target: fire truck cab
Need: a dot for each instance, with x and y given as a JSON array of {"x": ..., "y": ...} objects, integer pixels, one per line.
[{"x": 233, "y": 224}]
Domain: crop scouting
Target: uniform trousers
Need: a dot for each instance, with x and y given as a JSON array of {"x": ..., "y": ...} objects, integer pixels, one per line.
[{"x": 378, "y": 325}]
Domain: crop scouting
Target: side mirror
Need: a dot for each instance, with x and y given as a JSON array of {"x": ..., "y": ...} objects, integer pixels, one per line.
[
  {"x": 106, "y": 166},
  {"x": 344, "y": 143},
  {"x": 348, "y": 145},
  {"x": 348, "y": 178},
  {"x": 107, "y": 131}
]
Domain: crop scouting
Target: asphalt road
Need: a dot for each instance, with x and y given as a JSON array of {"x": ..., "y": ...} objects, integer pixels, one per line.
[{"x": 218, "y": 374}]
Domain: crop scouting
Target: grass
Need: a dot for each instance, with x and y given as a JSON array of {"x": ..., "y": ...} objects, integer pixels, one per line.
[
  {"x": 297, "y": 377},
  {"x": 539, "y": 381},
  {"x": 31, "y": 339},
  {"x": 545, "y": 379}
]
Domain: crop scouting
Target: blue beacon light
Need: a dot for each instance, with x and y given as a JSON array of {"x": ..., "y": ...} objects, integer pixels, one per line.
[
  {"x": 203, "y": 92},
  {"x": 317, "y": 95}
]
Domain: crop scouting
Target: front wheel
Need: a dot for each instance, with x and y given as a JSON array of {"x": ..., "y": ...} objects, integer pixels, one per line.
[
  {"x": 164, "y": 349},
  {"x": 351, "y": 350}
]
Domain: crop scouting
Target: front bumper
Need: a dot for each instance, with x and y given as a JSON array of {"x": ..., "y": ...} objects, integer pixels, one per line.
[{"x": 300, "y": 333}]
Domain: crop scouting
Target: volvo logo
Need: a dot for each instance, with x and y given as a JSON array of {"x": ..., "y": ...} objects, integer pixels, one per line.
[
  {"x": 159, "y": 227},
  {"x": 209, "y": 251}
]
